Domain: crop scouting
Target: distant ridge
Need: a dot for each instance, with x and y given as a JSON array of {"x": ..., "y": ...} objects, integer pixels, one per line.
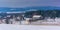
[
  {"x": 44, "y": 8},
  {"x": 7, "y": 9}
]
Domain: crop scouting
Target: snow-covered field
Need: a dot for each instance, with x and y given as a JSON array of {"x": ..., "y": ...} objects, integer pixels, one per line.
[{"x": 27, "y": 27}]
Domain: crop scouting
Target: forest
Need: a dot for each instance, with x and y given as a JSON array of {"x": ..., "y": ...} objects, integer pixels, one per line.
[{"x": 44, "y": 13}]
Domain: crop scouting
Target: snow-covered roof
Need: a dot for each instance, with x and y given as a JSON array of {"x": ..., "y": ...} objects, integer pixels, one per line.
[{"x": 37, "y": 16}]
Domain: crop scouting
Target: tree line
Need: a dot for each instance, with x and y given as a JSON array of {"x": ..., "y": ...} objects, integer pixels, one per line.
[{"x": 44, "y": 13}]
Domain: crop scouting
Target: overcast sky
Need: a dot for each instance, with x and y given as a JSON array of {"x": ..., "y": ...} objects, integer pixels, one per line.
[{"x": 26, "y": 3}]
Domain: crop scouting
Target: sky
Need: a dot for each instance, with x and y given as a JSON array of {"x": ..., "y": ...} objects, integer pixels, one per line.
[{"x": 27, "y": 3}]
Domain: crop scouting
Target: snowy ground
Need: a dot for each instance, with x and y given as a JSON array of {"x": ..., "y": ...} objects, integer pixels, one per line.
[{"x": 27, "y": 27}]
